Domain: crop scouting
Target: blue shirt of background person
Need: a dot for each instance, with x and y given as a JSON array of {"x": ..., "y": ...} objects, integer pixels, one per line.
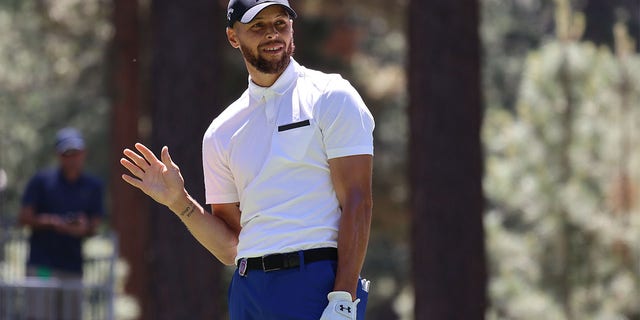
[{"x": 62, "y": 206}]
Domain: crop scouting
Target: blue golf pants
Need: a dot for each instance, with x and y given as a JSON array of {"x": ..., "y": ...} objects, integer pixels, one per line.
[{"x": 292, "y": 294}]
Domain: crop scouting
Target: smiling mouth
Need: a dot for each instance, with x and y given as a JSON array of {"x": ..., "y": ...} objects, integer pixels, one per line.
[{"x": 273, "y": 48}]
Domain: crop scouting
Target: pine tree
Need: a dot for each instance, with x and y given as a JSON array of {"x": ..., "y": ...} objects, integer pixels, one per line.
[{"x": 563, "y": 227}]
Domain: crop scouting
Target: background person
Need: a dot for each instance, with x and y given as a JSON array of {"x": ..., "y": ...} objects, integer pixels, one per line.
[{"x": 61, "y": 206}]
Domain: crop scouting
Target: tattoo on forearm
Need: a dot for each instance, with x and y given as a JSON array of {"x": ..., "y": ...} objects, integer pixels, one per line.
[{"x": 188, "y": 211}]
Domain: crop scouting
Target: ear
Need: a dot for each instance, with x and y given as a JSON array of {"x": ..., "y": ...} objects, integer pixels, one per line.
[{"x": 233, "y": 38}]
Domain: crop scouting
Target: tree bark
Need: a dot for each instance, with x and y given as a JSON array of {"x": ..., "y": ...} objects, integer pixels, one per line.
[
  {"x": 130, "y": 216},
  {"x": 446, "y": 166},
  {"x": 186, "y": 76}
]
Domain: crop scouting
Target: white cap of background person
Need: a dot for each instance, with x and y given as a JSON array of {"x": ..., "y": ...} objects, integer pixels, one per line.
[
  {"x": 68, "y": 139},
  {"x": 245, "y": 10}
]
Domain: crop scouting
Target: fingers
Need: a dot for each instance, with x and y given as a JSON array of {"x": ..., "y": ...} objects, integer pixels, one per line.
[
  {"x": 166, "y": 158},
  {"x": 151, "y": 158},
  {"x": 138, "y": 160},
  {"x": 134, "y": 169},
  {"x": 137, "y": 164}
]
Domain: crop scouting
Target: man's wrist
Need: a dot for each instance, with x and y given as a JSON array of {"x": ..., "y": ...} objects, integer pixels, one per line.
[
  {"x": 188, "y": 210},
  {"x": 352, "y": 292},
  {"x": 346, "y": 285},
  {"x": 184, "y": 206}
]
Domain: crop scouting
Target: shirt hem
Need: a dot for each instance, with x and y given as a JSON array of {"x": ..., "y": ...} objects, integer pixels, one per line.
[
  {"x": 222, "y": 198},
  {"x": 351, "y": 151}
]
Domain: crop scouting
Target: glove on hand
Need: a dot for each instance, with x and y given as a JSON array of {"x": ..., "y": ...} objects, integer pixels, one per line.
[{"x": 340, "y": 307}]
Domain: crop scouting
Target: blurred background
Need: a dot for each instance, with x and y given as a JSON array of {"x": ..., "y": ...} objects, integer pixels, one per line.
[{"x": 507, "y": 166}]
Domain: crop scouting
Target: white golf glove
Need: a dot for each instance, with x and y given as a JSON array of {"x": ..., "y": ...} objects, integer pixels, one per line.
[{"x": 340, "y": 307}]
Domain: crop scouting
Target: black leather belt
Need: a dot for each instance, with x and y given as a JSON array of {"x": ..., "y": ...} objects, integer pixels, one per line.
[{"x": 280, "y": 261}]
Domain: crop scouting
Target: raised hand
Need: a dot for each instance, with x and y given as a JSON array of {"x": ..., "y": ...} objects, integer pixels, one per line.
[{"x": 161, "y": 180}]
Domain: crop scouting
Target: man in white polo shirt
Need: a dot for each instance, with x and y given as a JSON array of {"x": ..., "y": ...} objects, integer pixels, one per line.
[{"x": 287, "y": 171}]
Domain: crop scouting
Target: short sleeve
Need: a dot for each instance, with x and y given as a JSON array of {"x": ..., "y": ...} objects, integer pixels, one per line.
[
  {"x": 346, "y": 122},
  {"x": 218, "y": 179}
]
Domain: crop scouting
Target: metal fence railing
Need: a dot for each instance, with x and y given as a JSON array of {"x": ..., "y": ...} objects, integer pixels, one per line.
[{"x": 24, "y": 297}]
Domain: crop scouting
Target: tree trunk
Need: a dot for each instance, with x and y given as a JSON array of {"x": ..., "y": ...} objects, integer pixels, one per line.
[
  {"x": 448, "y": 258},
  {"x": 564, "y": 272},
  {"x": 186, "y": 76},
  {"x": 130, "y": 216}
]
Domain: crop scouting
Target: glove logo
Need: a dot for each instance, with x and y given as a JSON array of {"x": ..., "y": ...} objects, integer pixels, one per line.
[{"x": 342, "y": 308}]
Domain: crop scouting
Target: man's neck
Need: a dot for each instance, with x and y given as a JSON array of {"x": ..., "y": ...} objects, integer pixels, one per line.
[
  {"x": 71, "y": 176},
  {"x": 263, "y": 79}
]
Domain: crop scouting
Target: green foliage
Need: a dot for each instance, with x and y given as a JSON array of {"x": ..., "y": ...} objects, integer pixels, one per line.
[
  {"x": 509, "y": 29},
  {"x": 563, "y": 223},
  {"x": 52, "y": 74}
]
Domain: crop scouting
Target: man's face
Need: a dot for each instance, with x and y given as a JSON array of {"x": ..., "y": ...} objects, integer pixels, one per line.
[
  {"x": 267, "y": 41},
  {"x": 72, "y": 162}
]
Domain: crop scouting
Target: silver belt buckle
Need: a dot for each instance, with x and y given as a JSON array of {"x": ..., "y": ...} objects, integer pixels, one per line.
[{"x": 242, "y": 268}]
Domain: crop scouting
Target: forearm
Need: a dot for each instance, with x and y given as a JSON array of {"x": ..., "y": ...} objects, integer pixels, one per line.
[
  {"x": 211, "y": 231},
  {"x": 162, "y": 181},
  {"x": 28, "y": 218},
  {"x": 81, "y": 227},
  {"x": 353, "y": 238},
  {"x": 36, "y": 224},
  {"x": 30, "y": 221}
]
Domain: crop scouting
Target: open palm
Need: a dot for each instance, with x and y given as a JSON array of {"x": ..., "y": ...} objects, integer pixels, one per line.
[{"x": 161, "y": 180}]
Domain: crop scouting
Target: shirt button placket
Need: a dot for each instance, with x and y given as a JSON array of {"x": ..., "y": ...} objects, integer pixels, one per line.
[{"x": 270, "y": 110}]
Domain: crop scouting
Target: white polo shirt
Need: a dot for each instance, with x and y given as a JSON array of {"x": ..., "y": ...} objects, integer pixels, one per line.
[{"x": 269, "y": 149}]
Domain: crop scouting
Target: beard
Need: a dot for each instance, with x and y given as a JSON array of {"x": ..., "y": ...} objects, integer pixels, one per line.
[{"x": 267, "y": 66}]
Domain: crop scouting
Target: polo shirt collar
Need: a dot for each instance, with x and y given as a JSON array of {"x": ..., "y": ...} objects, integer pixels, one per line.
[{"x": 284, "y": 82}]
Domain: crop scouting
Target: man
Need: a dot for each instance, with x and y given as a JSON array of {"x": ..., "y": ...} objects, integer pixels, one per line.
[
  {"x": 287, "y": 171},
  {"x": 61, "y": 206}
]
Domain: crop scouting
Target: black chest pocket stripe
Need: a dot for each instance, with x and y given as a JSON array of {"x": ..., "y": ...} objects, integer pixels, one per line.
[
  {"x": 293, "y": 144},
  {"x": 293, "y": 125}
]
